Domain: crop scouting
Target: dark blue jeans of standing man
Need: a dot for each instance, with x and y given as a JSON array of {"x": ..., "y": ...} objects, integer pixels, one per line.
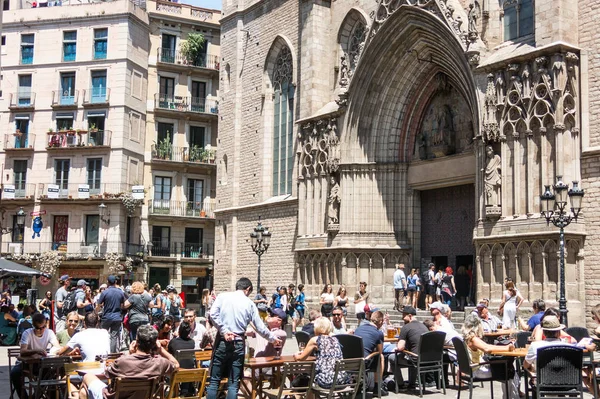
[
  {"x": 114, "y": 330},
  {"x": 228, "y": 357}
]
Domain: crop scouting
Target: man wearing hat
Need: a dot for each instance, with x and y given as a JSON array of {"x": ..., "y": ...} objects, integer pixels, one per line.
[
  {"x": 60, "y": 296},
  {"x": 80, "y": 298},
  {"x": 488, "y": 321},
  {"x": 276, "y": 323},
  {"x": 437, "y": 312},
  {"x": 410, "y": 336},
  {"x": 552, "y": 329}
]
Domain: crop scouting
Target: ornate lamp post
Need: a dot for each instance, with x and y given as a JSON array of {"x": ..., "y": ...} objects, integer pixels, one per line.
[
  {"x": 260, "y": 241},
  {"x": 554, "y": 209}
]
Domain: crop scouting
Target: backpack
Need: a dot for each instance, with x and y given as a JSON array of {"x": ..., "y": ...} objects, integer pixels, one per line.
[
  {"x": 70, "y": 303},
  {"x": 426, "y": 277},
  {"x": 174, "y": 307}
]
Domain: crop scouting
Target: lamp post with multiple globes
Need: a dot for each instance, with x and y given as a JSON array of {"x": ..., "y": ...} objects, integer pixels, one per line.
[{"x": 260, "y": 241}]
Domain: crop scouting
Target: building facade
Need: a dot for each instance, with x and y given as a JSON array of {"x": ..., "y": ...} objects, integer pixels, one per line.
[{"x": 370, "y": 133}]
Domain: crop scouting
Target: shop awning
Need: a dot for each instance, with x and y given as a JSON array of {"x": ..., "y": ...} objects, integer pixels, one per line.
[{"x": 8, "y": 268}]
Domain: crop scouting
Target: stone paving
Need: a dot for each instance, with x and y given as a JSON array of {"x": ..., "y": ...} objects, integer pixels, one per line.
[{"x": 290, "y": 348}]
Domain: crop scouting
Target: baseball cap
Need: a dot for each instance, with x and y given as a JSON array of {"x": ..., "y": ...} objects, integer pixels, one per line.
[
  {"x": 103, "y": 286},
  {"x": 409, "y": 310},
  {"x": 64, "y": 277},
  {"x": 112, "y": 279},
  {"x": 82, "y": 282},
  {"x": 551, "y": 323},
  {"x": 278, "y": 312},
  {"x": 437, "y": 305},
  {"x": 481, "y": 305},
  {"x": 369, "y": 309}
]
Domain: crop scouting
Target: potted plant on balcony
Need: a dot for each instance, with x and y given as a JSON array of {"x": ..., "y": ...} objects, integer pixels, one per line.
[
  {"x": 163, "y": 148},
  {"x": 191, "y": 49},
  {"x": 93, "y": 128},
  {"x": 197, "y": 154}
]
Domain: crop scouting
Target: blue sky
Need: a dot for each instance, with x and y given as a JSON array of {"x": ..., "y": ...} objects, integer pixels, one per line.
[{"x": 214, "y": 4}]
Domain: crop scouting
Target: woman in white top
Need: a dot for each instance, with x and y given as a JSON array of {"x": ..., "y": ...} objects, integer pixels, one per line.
[
  {"x": 326, "y": 301},
  {"x": 511, "y": 301}
]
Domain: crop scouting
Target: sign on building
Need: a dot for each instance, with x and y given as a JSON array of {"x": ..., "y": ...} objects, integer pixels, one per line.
[
  {"x": 83, "y": 191},
  {"x": 9, "y": 191},
  {"x": 53, "y": 191},
  {"x": 137, "y": 192}
]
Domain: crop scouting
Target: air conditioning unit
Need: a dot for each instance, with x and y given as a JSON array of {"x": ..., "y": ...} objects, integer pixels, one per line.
[
  {"x": 15, "y": 248},
  {"x": 88, "y": 250}
]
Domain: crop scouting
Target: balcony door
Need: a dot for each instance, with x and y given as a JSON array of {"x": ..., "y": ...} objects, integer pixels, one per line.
[
  {"x": 195, "y": 194},
  {"x": 20, "y": 177},
  {"x": 198, "y": 96},
  {"x": 24, "y": 92},
  {"x": 162, "y": 194},
  {"x": 161, "y": 241},
  {"x": 193, "y": 243},
  {"x": 169, "y": 43},
  {"x": 197, "y": 136},
  {"x": 166, "y": 92},
  {"x": 67, "y": 88},
  {"x": 92, "y": 223},
  {"x": 22, "y": 125},
  {"x": 94, "y": 175},
  {"x": 98, "y": 94},
  {"x": 61, "y": 175}
]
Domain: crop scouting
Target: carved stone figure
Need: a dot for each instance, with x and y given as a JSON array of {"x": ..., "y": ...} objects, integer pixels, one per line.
[
  {"x": 343, "y": 72},
  {"x": 472, "y": 16},
  {"x": 493, "y": 178},
  {"x": 334, "y": 201}
]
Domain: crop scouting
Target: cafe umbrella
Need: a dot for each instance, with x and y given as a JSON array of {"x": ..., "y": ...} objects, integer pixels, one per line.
[{"x": 9, "y": 268}]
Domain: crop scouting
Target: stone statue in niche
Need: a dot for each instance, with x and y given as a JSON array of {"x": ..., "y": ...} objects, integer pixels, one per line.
[
  {"x": 344, "y": 72},
  {"x": 472, "y": 16},
  {"x": 493, "y": 182},
  {"x": 333, "y": 210}
]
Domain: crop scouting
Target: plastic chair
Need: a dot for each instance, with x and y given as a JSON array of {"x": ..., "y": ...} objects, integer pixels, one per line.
[
  {"x": 578, "y": 333},
  {"x": 291, "y": 370},
  {"x": 522, "y": 339},
  {"x": 558, "y": 370},
  {"x": 354, "y": 369},
  {"x": 465, "y": 368},
  {"x": 352, "y": 348},
  {"x": 429, "y": 359},
  {"x": 51, "y": 375},
  {"x": 302, "y": 337},
  {"x": 195, "y": 376}
]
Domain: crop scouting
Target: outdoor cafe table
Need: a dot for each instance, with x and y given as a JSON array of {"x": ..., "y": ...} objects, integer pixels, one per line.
[
  {"x": 256, "y": 376},
  {"x": 490, "y": 336}
]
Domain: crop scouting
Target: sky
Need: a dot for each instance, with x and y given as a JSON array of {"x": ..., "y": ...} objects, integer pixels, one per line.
[{"x": 213, "y": 4}]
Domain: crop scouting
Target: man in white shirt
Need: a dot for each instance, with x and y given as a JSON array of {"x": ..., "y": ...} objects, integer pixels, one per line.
[
  {"x": 198, "y": 330},
  {"x": 552, "y": 329},
  {"x": 488, "y": 321},
  {"x": 436, "y": 310},
  {"x": 34, "y": 343},
  {"x": 90, "y": 342},
  {"x": 231, "y": 313},
  {"x": 430, "y": 286},
  {"x": 399, "y": 286}
]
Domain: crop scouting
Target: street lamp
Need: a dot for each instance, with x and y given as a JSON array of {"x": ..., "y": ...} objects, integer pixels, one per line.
[
  {"x": 260, "y": 241},
  {"x": 104, "y": 213},
  {"x": 20, "y": 223},
  {"x": 554, "y": 209}
]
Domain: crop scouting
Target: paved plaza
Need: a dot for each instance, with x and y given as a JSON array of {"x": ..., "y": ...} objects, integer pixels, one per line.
[{"x": 290, "y": 348}]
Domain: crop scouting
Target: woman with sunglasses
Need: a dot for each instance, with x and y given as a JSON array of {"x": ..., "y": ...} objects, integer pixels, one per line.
[
  {"x": 45, "y": 305},
  {"x": 72, "y": 326},
  {"x": 341, "y": 300},
  {"x": 326, "y": 301}
]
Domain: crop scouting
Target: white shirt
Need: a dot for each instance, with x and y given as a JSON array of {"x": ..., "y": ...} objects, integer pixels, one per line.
[
  {"x": 34, "y": 342},
  {"x": 531, "y": 356},
  {"x": 431, "y": 275},
  {"x": 360, "y": 305},
  {"x": 198, "y": 334},
  {"x": 233, "y": 311},
  {"x": 398, "y": 277},
  {"x": 91, "y": 342},
  {"x": 284, "y": 302}
]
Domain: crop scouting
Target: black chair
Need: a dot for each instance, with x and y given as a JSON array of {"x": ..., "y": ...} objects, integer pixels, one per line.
[
  {"x": 465, "y": 368},
  {"x": 578, "y": 333},
  {"x": 352, "y": 348},
  {"x": 522, "y": 339},
  {"x": 302, "y": 337},
  {"x": 51, "y": 376},
  {"x": 589, "y": 362},
  {"x": 558, "y": 370},
  {"x": 429, "y": 359}
]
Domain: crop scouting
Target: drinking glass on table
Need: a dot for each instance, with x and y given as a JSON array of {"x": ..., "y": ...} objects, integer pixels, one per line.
[
  {"x": 301, "y": 346},
  {"x": 278, "y": 347}
]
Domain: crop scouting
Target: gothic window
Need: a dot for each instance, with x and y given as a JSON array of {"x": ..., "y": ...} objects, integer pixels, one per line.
[
  {"x": 518, "y": 18},
  {"x": 283, "y": 151},
  {"x": 355, "y": 45}
]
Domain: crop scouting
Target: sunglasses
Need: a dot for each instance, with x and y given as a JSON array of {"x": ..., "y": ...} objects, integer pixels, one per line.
[
  {"x": 337, "y": 314},
  {"x": 73, "y": 321}
]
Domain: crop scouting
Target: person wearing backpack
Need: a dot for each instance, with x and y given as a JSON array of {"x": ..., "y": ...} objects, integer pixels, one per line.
[
  {"x": 82, "y": 298},
  {"x": 429, "y": 282},
  {"x": 59, "y": 297},
  {"x": 174, "y": 305},
  {"x": 112, "y": 300}
]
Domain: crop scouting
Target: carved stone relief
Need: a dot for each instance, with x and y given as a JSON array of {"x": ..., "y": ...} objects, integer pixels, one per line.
[
  {"x": 333, "y": 210},
  {"x": 493, "y": 183}
]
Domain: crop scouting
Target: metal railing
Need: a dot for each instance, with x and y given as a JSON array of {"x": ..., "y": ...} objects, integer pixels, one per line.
[
  {"x": 194, "y": 154},
  {"x": 72, "y": 190},
  {"x": 65, "y": 98},
  {"x": 22, "y": 99},
  {"x": 22, "y": 191},
  {"x": 169, "y": 7},
  {"x": 74, "y": 249},
  {"x": 203, "y": 250},
  {"x": 204, "y": 209},
  {"x": 79, "y": 138},
  {"x": 96, "y": 95},
  {"x": 16, "y": 141},
  {"x": 172, "y": 56},
  {"x": 186, "y": 104}
]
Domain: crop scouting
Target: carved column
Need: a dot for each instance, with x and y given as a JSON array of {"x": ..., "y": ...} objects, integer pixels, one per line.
[
  {"x": 517, "y": 190},
  {"x": 517, "y": 269},
  {"x": 505, "y": 171},
  {"x": 319, "y": 219},
  {"x": 492, "y": 272},
  {"x": 301, "y": 206},
  {"x": 505, "y": 267},
  {"x": 544, "y": 275},
  {"x": 559, "y": 130},
  {"x": 479, "y": 276},
  {"x": 323, "y": 208},
  {"x": 310, "y": 188},
  {"x": 544, "y": 161},
  {"x": 531, "y": 190},
  {"x": 531, "y": 279}
]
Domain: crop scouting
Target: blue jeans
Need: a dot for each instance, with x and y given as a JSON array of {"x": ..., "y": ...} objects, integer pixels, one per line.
[{"x": 227, "y": 357}]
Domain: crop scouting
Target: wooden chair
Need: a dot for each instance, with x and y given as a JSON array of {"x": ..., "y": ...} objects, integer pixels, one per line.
[
  {"x": 195, "y": 376},
  {"x": 290, "y": 371},
  {"x": 135, "y": 388},
  {"x": 354, "y": 369},
  {"x": 13, "y": 354},
  {"x": 202, "y": 356},
  {"x": 51, "y": 375},
  {"x": 71, "y": 370}
]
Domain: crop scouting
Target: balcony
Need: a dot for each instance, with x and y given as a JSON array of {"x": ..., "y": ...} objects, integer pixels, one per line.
[
  {"x": 74, "y": 250},
  {"x": 202, "y": 210},
  {"x": 186, "y": 11},
  {"x": 190, "y": 105},
  {"x": 20, "y": 192},
  {"x": 19, "y": 142},
  {"x": 70, "y": 140},
  {"x": 165, "y": 152},
  {"x": 185, "y": 250},
  {"x": 176, "y": 59},
  {"x": 81, "y": 191},
  {"x": 24, "y": 100},
  {"x": 65, "y": 100},
  {"x": 96, "y": 97}
]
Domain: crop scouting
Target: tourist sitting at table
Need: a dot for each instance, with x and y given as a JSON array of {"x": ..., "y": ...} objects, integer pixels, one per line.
[
  {"x": 165, "y": 330},
  {"x": 25, "y": 320},
  {"x": 438, "y": 317},
  {"x": 449, "y": 352},
  {"x": 472, "y": 331},
  {"x": 34, "y": 343},
  {"x": 72, "y": 322},
  {"x": 8, "y": 327},
  {"x": 198, "y": 329},
  {"x": 328, "y": 351},
  {"x": 91, "y": 342},
  {"x": 147, "y": 359},
  {"x": 539, "y": 307},
  {"x": 275, "y": 322},
  {"x": 539, "y": 334},
  {"x": 489, "y": 322},
  {"x": 181, "y": 342},
  {"x": 337, "y": 324},
  {"x": 313, "y": 315},
  {"x": 372, "y": 339},
  {"x": 208, "y": 340},
  {"x": 552, "y": 329}
]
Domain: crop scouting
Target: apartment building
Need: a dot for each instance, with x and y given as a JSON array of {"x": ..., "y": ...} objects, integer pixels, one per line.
[
  {"x": 180, "y": 146},
  {"x": 73, "y": 122}
]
